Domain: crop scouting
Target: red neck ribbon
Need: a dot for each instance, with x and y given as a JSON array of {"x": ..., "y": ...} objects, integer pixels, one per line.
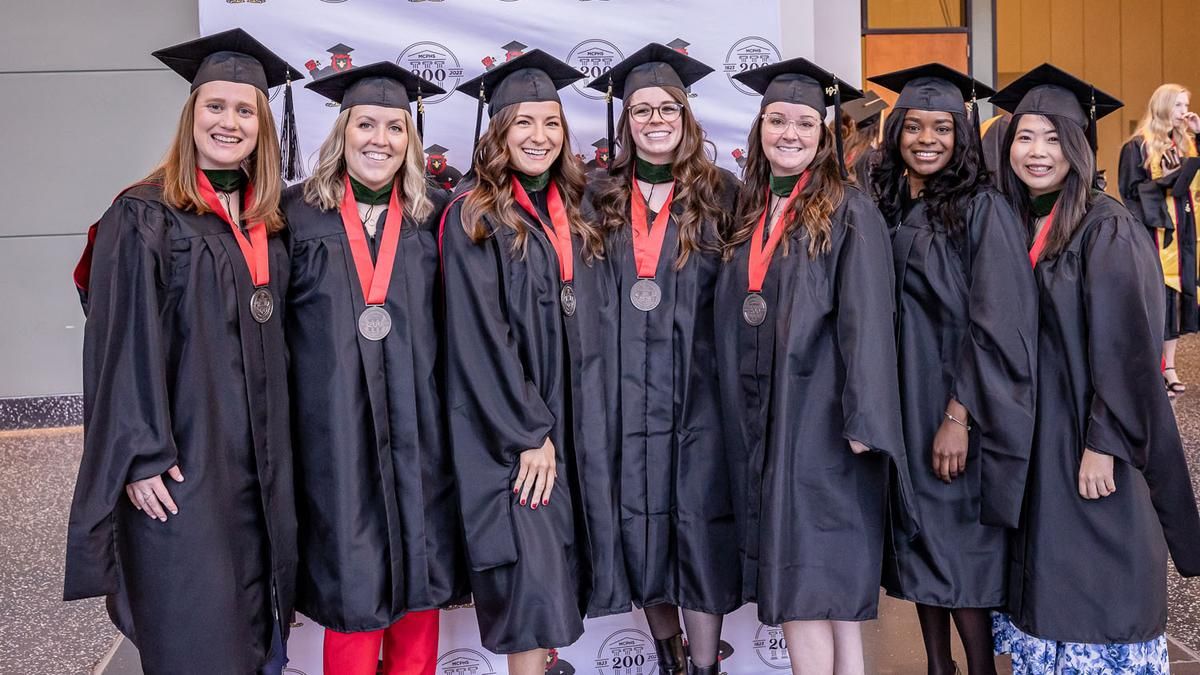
[
  {"x": 254, "y": 249},
  {"x": 1039, "y": 242},
  {"x": 373, "y": 277},
  {"x": 647, "y": 242},
  {"x": 559, "y": 230},
  {"x": 760, "y": 255}
]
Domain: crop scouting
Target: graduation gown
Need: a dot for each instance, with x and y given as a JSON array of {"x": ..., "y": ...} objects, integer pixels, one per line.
[
  {"x": 992, "y": 133},
  {"x": 966, "y": 328},
  {"x": 677, "y": 521},
  {"x": 1150, "y": 198},
  {"x": 176, "y": 371},
  {"x": 821, "y": 370},
  {"x": 1095, "y": 571},
  {"x": 519, "y": 371},
  {"x": 376, "y": 502}
]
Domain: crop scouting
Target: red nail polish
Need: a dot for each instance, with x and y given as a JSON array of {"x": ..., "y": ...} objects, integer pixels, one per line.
[
  {"x": 534, "y": 507},
  {"x": 522, "y": 502},
  {"x": 516, "y": 490},
  {"x": 545, "y": 502}
]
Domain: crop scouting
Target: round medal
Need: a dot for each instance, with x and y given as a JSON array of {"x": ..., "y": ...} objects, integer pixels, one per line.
[
  {"x": 262, "y": 305},
  {"x": 754, "y": 309},
  {"x": 567, "y": 296},
  {"x": 374, "y": 323},
  {"x": 645, "y": 294}
]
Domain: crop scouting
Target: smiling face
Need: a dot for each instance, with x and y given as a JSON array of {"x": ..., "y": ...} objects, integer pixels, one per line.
[
  {"x": 535, "y": 138},
  {"x": 656, "y": 123},
  {"x": 1037, "y": 157},
  {"x": 226, "y": 124},
  {"x": 376, "y": 142},
  {"x": 926, "y": 141},
  {"x": 791, "y": 133}
]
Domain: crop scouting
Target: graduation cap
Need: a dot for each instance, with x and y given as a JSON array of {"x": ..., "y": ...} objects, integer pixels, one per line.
[
  {"x": 383, "y": 84},
  {"x": 865, "y": 111},
  {"x": 436, "y": 149},
  {"x": 235, "y": 56},
  {"x": 601, "y": 144},
  {"x": 933, "y": 87},
  {"x": 654, "y": 65},
  {"x": 1047, "y": 90},
  {"x": 529, "y": 78},
  {"x": 679, "y": 44},
  {"x": 803, "y": 82},
  {"x": 340, "y": 49},
  {"x": 514, "y": 47}
]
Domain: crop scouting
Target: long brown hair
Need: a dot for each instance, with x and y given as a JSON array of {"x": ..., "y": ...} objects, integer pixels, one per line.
[
  {"x": 855, "y": 141},
  {"x": 1076, "y": 196},
  {"x": 177, "y": 170},
  {"x": 492, "y": 194},
  {"x": 698, "y": 184},
  {"x": 812, "y": 210}
]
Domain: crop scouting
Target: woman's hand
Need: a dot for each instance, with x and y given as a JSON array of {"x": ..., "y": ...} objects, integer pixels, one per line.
[
  {"x": 950, "y": 444},
  {"x": 535, "y": 480},
  {"x": 151, "y": 497},
  {"x": 1096, "y": 475},
  {"x": 1192, "y": 120}
]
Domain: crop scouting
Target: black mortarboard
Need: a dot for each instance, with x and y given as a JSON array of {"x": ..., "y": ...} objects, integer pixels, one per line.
[
  {"x": 678, "y": 44},
  {"x": 436, "y": 149},
  {"x": 382, "y": 83},
  {"x": 865, "y": 111},
  {"x": 514, "y": 46},
  {"x": 339, "y": 48},
  {"x": 235, "y": 56},
  {"x": 804, "y": 82},
  {"x": 654, "y": 65},
  {"x": 600, "y": 144},
  {"x": 529, "y": 78},
  {"x": 933, "y": 87},
  {"x": 1047, "y": 90}
]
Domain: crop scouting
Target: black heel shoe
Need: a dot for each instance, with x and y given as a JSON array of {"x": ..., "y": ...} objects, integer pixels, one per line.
[
  {"x": 671, "y": 658},
  {"x": 714, "y": 669}
]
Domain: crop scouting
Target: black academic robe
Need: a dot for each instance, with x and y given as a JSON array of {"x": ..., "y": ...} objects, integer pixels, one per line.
[
  {"x": 376, "y": 502},
  {"x": 1150, "y": 199},
  {"x": 821, "y": 370},
  {"x": 864, "y": 164},
  {"x": 966, "y": 328},
  {"x": 519, "y": 371},
  {"x": 992, "y": 138},
  {"x": 677, "y": 521},
  {"x": 176, "y": 371},
  {"x": 1095, "y": 571}
]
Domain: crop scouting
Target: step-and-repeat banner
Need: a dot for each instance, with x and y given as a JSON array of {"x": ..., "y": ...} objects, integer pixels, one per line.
[{"x": 452, "y": 41}]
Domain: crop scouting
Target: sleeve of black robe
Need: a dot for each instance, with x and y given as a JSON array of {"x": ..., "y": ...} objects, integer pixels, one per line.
[
  {"x": 1144, "y": 198},
  {"x": 1130, "y": 417},
  {"x": 994, "y": 378},
  {"x": 127, "y": 420}
]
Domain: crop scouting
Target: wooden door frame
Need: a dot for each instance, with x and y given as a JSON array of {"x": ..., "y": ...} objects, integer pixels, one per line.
[{"x": 968, "y": 5}]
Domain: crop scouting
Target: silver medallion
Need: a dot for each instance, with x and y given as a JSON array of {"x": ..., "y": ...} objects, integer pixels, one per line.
[
  {"x": 374, "y": 323},
  {"x": 567, "y": 296},
  {"x": 754, "y": 309},
  {"x": 645, "y": 294},
  {"x": 262, "y": 305}
]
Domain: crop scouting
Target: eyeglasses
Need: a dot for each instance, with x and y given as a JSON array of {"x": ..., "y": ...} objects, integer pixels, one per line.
[
  {"x": 669, "y": 112},
  {"x": 776, "y": 124}
]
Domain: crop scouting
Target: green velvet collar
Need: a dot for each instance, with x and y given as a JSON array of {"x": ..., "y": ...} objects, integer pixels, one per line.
[
  {"x": 654, "y": 174},
  {"x": 365, "y": 195},
  {"x": 534, "y": 183},
  {"x": 1042, "y": 205},
  {"x": 783, "y": 185},
  {"x": 226, "y": 180}
]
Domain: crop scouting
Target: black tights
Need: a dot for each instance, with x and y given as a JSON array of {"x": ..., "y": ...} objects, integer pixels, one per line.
[
  {"x": 975, "y": 630},
  {"x": 703, "y": 631}
]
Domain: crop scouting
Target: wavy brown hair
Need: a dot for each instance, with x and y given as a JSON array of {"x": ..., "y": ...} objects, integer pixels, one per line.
[
  {"x": 856, "y": 141},
  {"x": 813, "y": 209},
  {"x": 698, "y": 184},
  {"x": 492, "y": 194},
  {"x": 177, "y": 170}
]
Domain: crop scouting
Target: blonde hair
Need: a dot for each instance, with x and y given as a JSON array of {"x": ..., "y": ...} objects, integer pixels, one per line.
[
  {"x": 1156, "y": 129},
  {"x": 177, "y": 171},
  {"x": 326, "y": 187}
]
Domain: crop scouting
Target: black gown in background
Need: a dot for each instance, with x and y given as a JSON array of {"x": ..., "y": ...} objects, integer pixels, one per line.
[
  {"x": 376, "y": 503},
  {"x": 1095, "y": 571},
  {"x": 519, "y": 371},
  {"x": 819, "y": 371},
  {"x": 677, "y": 522},
  {"x": 176, "y": 371},
  {"x": 966, "y": 328}
]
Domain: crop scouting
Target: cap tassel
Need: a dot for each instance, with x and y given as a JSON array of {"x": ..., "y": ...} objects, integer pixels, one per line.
[
  {"x": 608, "y": 99},
  {"x": 420, "y": 115},
  {"x": 973, "y": 109},
  {"x": 836, "y": 91},
  {"x": 289, "y": 141},
  {"x": 1091, "y": 130},
  {"x": 479, "y": 118}
]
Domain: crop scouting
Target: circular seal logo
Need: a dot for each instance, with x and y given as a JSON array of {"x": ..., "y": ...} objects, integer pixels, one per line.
[
  {"x": 747, "y": 54},
  {"x": 627, "y": 652},
  {"x": 435, "y": 63},
  {"x": 593, "y": 58},
  {"x": 464, "y": 662},
  {"x": 771, "y": 647}
]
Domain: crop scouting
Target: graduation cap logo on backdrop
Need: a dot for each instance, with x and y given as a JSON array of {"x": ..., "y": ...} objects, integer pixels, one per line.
[
  {"x": 434, "y": 62},
  {"x": 438, "y": 169},
  {"x": 592, "y": 58},
  {"x": 600, "y": 161},
  {"x": 746, "y": 54},
  {"x": 339, "y": 60},
  {"x": 680, "y": 45},
  {"x": 511, "y": 51},
  {"x": 739, "y": 156}
]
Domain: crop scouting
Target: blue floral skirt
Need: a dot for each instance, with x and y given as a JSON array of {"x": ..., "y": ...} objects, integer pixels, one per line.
[{"x": 1035, "y": 656}]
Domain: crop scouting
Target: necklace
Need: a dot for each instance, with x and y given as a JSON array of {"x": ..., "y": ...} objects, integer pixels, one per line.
[
  {"x": 771, "y": 214},
  {"x": 226, "y": 200},
  {"x": 366, "y": 219}
]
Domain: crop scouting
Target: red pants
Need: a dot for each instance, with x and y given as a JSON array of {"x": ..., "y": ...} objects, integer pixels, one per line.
[{"x": 409, "y": 648}]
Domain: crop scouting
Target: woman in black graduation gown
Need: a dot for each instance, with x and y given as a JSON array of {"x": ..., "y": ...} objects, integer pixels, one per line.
[
  {"x": 183, "y": 512},
  {"x": 860, "y": 134},
  {"x": 807, "y": 365},
  {"x": 380, "y": 538},
  {"x": 664, "y": 205},
  {"x": 531, "y": 340},
  {"x": 1108, "y": 492},
  {"x": 966, "y": 324},
  {"x": 1163, "y": 141}
]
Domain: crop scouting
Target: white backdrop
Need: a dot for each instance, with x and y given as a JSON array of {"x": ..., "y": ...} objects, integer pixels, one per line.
[{"x": 449, "y": 41}]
